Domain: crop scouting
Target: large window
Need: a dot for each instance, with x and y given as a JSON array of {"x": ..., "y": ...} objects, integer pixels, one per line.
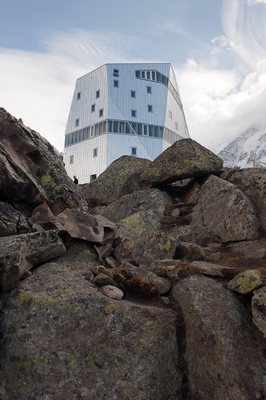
[{"x": 150, "y": 108}]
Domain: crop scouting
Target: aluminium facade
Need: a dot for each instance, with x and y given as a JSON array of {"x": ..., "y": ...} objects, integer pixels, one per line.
[{"x": 122, "y": 109}]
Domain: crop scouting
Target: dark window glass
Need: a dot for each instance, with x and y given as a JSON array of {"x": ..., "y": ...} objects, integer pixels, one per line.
[
  {"x": 96, "y": 129},
  {"x": 158, "y": 76},
  {"x": 148, "y": 89},
  {"x": 122, "y": 127},
  {"x": 92, "y": 130},
  {"x": 104, "y": 126},
  {"x": 149, "y": 108},
  {"x": 133, "y": 151},
  {"x": 115, "y": 126},
  {"x": 139, "y": 129},
  {"x": 116, "y": 83},
  {"x": 133, "y": 127},
  {"x": 160, "y": 131},
  {"x": 133, "y": 113},
  {"x": 137, "y": 74},
  {"x": 156, "y": 131},
  {"x": 153, "y": 75},
  {"x": 78, "y": 95},
  {"x": 77, "y": 122},
  {"x": 93, "y": 108},
  {"x": 101, "y": 112},
  {"x": 97, "y": 94},
  {"x": 95, "y": 152},
  {"x": 143, "y": 74},
  {"x": 127, "y": 127},
  {"x": 145, "y": 132},
  {"x": 151, "y": 130},
  {"x": 115, "y": 72},
  {"x": 132, "y": 93},
  {"x": 164, "y": 80},
  {"x": 148, "y": 74}
]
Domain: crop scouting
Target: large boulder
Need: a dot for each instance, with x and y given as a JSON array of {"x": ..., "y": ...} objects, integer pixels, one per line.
[
  {"x": 253, "y": 183},
  {"x": 120, "y": 178},
  {"x": 141, "y": 200},
  {"x": 31, "y": 170},
  {"x": 62, "y": 338},
  {"x": 225, "y": 212},
  {"x": 12, "y": 221},
  {"x": 223, "y": 351},
  {"x": 184, "y": 159}
]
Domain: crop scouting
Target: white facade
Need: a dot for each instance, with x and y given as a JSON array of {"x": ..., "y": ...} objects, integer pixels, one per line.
[{"x": 122, "y": 109}]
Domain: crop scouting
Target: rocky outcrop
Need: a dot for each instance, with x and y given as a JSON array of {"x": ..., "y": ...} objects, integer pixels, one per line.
[
  {"x": 120, "y": 178},
  {"x": 225, "y": 212},
  {"x": 129, "y": 311},
  {"x": 31, "y": 171},
  {"x": 184, "y": 159},
  {"x": 223, "y": 352},
  {"x": 62, "y": 337}
]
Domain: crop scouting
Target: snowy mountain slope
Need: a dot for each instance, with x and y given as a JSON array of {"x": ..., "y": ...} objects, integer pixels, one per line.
[{"x": 248, "y": 147}]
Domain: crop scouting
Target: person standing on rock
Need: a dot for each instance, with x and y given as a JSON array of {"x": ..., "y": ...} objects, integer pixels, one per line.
[{"x": 75, "y": 180}]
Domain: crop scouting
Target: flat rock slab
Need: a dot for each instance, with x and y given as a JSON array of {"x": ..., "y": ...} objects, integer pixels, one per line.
[
  {"x": 246, "y": 281},
  {"x": 184, "y": 159},
  {"x": 206, "y": 268},
  {"x": 20, "y": 253},
  {"x": 82, "y": 225}
]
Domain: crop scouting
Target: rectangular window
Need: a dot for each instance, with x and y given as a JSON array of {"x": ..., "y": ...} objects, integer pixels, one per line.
[
  {"x": 77, "y": 122},
  {"x": 143, "y": 74},
  {"x": 137, "y": 74},
  {"x": 170, "y": 114},
  {"x": 101, "y": 112},
  {"x": 133, "y": 113},
  {"x": 133, "y": 93},
  {"x": 148, "y": 74},
  {"x": 97, "y": 94},
  {"x": 95, "y": 152},
  {"x": 127, "y": 127},
  {"x": 93, "y": 108},
  {"x": 96, "y": 129},
  {"x": 92, "y": 130},
  {"x": 115, "y": 72},
  {"x": 122, "y": 127},
  {"x": 133, "y": 151},
  {"x": 149, "y": 108},
  {"x": 145, "y": 132},
  {"x": 115, "y": 126},
  {"x": 110, "y": 126},
  {"x": 116, "y": 83},
  {"x": 78, "y": 95},
  {"x": 71, "y": 159},
  {"x": 139, "y": 129},
  {"x": 151, "y": 130},
  {"x": 149, "y": 89},
  {"x": 153, "y": 75}
]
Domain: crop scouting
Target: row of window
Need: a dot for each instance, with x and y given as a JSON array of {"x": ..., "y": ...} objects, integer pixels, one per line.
[
  {"x": 156, "y": 76},
  {"x": 121, "y": 127}
]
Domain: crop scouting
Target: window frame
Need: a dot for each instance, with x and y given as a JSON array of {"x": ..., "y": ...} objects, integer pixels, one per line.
[
  {"x": 133, "y": 94},
  {"x": 101, "y": 113},
  {"x": 136, "y": 151},
  {"x": 116, "y": 83},
  {"x": 150, "y": 108},
  {"x": 98, "y": 93},
  {"x": 133, "y": 113},
  {"x": 93, "y": 108}
]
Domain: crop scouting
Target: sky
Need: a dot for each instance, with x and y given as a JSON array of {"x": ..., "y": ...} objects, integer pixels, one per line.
[{"x": 217, "y": 47}]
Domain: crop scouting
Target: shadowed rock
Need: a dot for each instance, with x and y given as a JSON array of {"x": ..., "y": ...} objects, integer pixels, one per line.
[{"x": 258, "y": 305}]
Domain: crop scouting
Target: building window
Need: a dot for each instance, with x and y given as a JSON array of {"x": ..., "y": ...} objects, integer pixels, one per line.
[
  {"x": 77, "y": 122},
  {"x": 149, "y": 108},
  {"x": 95, "y": 152},
  {"x": 71, "y": 160},
  {"x": 78, "y": 95},
  {"x": 116, "y": 83},
  {"x": 133, "y": 113},
  {"x": 101, "y": 112},
  {"x": 97, "y": 94},
  {"x": 170, "y": 114},
  {"x": 93, "y": 108},
  {"x": 115, "y": 72},
  {"x": 149, "y": 89},
  {"x": 176, "y": 126},
  {"x": 133, "y": 151},
  {"x": 133, "y": 93},
  {"x": 137, "y": 74},
  {"x": 93, "y": 177}
]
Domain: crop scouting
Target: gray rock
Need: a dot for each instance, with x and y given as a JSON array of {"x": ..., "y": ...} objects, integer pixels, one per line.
[
  {"x": 207, "y": 268},
  {"x": 31, "y": 170},
  {"x": 112, "y": 291},
  {"x": 258, "y": 306},
  {"x": 252, "y": 182},
  {"x": 62, "y": 337},
  {"x": 140, "y": 200},
  {"x": 103, "y": 280},
  {"x": 225, "y": 212},
  {"x": 191, "y": 251},
  {"x": 120, "y": 178},
  {"x": 223, "y": 352},
  {"x": 246, "y": 281},
  {"x": 184, "y": 159}
]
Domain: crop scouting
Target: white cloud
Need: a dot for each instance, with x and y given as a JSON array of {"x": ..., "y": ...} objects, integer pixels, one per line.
[{"x": 256, "y": 1}]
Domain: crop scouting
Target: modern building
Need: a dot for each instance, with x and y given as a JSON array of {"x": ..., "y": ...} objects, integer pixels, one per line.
[{"x": 122, "y": 109}]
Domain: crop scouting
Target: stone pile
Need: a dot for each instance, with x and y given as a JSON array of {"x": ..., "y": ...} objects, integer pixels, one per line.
[{"x": 148, "y": 283}]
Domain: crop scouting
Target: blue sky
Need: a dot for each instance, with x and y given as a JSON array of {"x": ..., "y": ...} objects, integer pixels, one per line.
[{"x": 216, "y": 46}]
